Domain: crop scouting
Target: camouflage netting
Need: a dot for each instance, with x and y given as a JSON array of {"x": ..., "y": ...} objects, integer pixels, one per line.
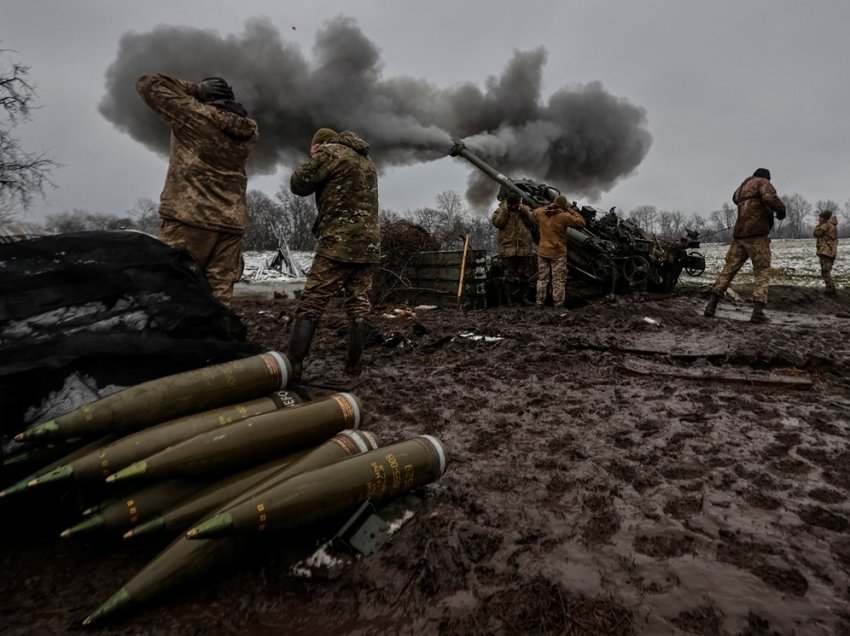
[
  {"x": 400, "y": 240},
  {"x": 85, "y": 314}
]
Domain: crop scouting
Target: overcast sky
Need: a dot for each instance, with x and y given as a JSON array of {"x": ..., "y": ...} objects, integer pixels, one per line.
[{"x": 726, "y": 86}]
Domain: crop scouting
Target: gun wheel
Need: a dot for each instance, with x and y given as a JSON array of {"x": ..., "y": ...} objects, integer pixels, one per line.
[
  {"x": 636, "y": 270},
  {"x": 696, "y": 271},
  {"x": 603, "y": 268}
]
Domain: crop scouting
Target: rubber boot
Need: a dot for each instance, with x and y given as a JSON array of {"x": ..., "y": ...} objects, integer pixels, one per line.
[
  {"x": 711, "y": 307},
  {"x": 758, "y": 313},
  {"x": 300, "y": 337},
  {"x": 357, "y": 329},
  {"x": 508, "y": 290}
]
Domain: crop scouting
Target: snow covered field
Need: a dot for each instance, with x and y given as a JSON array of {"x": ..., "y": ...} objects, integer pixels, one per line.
[{"x": 793, "y": 262}]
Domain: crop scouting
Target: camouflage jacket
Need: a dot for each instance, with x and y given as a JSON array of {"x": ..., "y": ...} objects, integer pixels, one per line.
[
  {"x": 553, "y": 222},
  {"x": 206, "y": 180},
  {"x": 826, "y": 234},
  {"x": 514, "y": 235},
  {"x": 346, "y": 186},
  {"x": 757, "y": 200}
]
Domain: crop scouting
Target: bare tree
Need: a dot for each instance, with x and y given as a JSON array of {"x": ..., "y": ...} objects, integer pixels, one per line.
[
  {"x": 645, "y": 217},
  {"x": 721, "y": 223},
  {"x": 22, "y": 174},
  {"x": 797, "y": 208},
  {"x": 671, "y": 223},
  {"x": 299, "y": 215},
  {"x": 145, "y": 216},
  {"x": 696, "y": 223},
  {"x": 265, "y": 218},
  {"x": 78, "y": 220}
]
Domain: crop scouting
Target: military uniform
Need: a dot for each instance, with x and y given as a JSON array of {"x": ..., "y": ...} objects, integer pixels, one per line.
[
  {"x": 347, "y": 232},
  {"x": 202, "y": 205},
  {"x": 514, "y": 243},
  {"x": 553, "y": 220},
  {"x": 826, "y": 234},
  {"x": 757, "y": 201}
]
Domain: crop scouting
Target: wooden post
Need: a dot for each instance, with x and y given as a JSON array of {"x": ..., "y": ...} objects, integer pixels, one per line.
[{"x": 462, "y": 271}]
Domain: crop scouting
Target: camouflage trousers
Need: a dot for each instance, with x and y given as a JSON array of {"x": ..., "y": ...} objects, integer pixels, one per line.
[
  {"x": 515, "y": 268},
  {"x": 826, "y": 263},
  {"x": 758, "y": 251},
  {"x": 328, "y": 278},
  {"x": 554, "y": 271},
  {"x": 218, "y": 253}
]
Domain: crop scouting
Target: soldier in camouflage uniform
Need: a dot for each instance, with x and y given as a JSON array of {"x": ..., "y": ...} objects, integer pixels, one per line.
[
  {"x": 553, "y": 220},
  {"x": 202, "y": 205},
  {"x": 826, "y": 234},
  {"x": 757, "y": 202},
  {"x": 348, "y": 240},
  {"x": 513, "y": 220}
]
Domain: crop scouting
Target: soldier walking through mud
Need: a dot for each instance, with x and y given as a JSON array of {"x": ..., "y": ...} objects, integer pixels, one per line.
[
  {"x": 348, "y": 240},
  {"x": 513, "y": 220},
  {"x": 553, "y": 220},
  {"x": 202, "y": 206},
  {"x": 757, "y": 202},
  {"x": 826, "y": 233}
]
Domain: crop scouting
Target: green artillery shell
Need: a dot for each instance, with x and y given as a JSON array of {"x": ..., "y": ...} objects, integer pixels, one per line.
[
  {"x": 325, "y": 492},
  {"x": 195, "y": 507},
  {"x": 251, "y": 441},
  {"x": 139, "y": 506},
  {"x": 170, "y": 397},
  {"x": 80, "y": 452},
  {"x": 185, "y": 561},
  {"x": 136, "y": 446},
  {"x": 345, "y": 444}
]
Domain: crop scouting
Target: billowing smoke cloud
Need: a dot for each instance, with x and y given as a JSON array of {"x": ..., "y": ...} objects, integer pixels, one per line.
[{"x": 582, "y": 140}]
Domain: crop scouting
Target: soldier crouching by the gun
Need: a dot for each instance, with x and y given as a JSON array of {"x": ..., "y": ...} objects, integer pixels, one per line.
[{"x": 513, "y": 220}]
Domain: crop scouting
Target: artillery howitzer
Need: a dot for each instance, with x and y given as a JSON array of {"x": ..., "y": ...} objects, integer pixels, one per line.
[{"x": 611, "y": 252}]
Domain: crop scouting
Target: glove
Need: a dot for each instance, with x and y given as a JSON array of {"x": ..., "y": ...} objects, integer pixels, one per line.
[
  {"x": 780, "y": 215},
  {"x": 214, "y": 88}
]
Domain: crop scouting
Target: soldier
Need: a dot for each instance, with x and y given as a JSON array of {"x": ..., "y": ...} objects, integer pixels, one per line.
[
  {"x": 202, "y": 206},
  {"x": 826, "y": 234},
  {"x": 757, "y": 202},
  {"x": 348, "y": 240},
  {"x": 554, "y": 219},
  {"x": 513, "y": 220}
]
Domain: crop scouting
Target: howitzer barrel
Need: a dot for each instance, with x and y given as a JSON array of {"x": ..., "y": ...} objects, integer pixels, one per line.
[
  {"x": 459, "y": 149},
  {"x": 171, "y": 396}
]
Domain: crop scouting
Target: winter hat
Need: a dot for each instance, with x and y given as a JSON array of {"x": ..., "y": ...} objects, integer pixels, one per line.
[
  {"x": 764, "y": 173},
  {"x": 323, "y": 135}
]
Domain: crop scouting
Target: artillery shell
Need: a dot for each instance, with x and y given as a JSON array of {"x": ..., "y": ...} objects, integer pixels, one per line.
[
  {"x": 250, "y": 441},
  {"x": 170, "y": 397},
  {"x": 184, "y": 561},
  {"x": 325, "y": 492},
  {"x": 139, "y": 506},
  {"x": 121, "y": 453}
]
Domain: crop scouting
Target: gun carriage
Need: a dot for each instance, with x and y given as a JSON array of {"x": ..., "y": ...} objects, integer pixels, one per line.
[{"x": 610, "y": 252}]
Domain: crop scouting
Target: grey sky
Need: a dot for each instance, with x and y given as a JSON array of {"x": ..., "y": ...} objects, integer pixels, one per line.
[{"x": 727, "y": 86}]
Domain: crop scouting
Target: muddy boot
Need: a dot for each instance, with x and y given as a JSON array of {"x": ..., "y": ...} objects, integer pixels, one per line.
[
  {"x": 711, "y": 307},
  {"x": 523, "y": 295},
  {"x": 300, "y": 336},
  {"x": 758, "y": 313},
  {"x": 357, "y": 329},
  {"x": 508, "y": 291}
]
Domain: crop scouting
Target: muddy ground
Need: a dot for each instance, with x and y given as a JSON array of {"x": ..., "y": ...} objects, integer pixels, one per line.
[{"x": 626, "y": 468}]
